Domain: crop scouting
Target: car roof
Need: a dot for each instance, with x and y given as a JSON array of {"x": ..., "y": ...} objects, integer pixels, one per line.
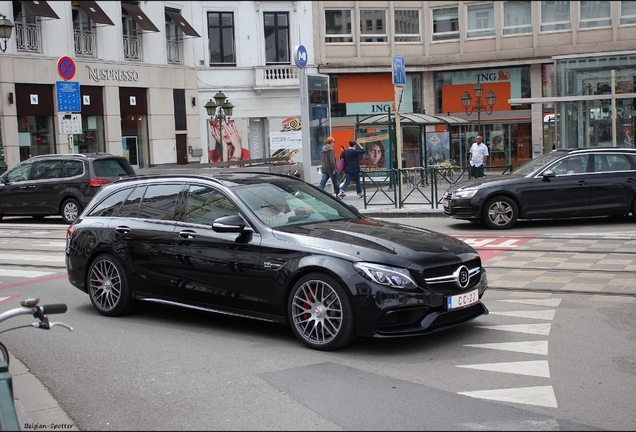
[
  {"x": 227, "y": 179},
  {"x": 598, "y": 149},
  {"x": 97, "y": 155}
]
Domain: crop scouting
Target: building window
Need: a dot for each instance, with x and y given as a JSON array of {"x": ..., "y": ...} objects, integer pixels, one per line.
[
  {"x": 28, "y": 29},
  {"x": 83, "y": 33},
  {"x": 174, "y": 42},
  {"x": 373, "y": 26},
  {"x": 481, "y": 20},
  {"x": 555, "y": 15},
  {"x": 221, "y": 37},
  {"x": 517, "y": 17},
  {"x": 132, "y": 38},
  {"x": 445, "y": 24},
  {"x": 628, "y": 12},
  {"x": 407, "y": 25},
  {"x": 595, "y": 14},
  {"x": 276, "y": 37},
  {"x": 338, "y": 26}
]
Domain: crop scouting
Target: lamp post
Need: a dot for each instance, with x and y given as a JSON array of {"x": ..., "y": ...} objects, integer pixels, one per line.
[
  {"x": 478, "y": 107},
  {"x": 220, "y": 109},
  {"x": 6, "y": 27}
]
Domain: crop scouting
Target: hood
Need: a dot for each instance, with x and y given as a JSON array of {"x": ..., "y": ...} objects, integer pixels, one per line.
[
  {"x": 326, "y": 148},
  {"x": 489, "y": 180},
  {"x": 373, "y": 240}
]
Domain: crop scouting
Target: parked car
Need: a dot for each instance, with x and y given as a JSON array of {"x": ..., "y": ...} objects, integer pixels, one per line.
[
  {"x": 274, "y": 248},
  {"x": 564, "y": 183},
  {"x": 58, "y": 184}
]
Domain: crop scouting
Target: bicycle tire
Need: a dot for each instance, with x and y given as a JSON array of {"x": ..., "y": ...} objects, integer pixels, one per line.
[{"x": 4, "y": 354}]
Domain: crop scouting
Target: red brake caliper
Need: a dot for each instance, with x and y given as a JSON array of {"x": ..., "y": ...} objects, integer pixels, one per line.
[{"x": 306, "y": 305}]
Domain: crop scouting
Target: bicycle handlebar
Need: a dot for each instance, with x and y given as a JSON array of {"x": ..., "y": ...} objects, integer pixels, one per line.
[
  {"x": 51, "y": 309},
  {"x": 30, "y": 307}
]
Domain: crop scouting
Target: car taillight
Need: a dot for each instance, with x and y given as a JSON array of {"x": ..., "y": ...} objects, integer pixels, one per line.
[
  {"x": 70, "y": 231},
  {"x": 95, "y": 182}
]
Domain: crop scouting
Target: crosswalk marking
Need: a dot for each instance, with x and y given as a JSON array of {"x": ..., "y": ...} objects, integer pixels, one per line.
[
  {"x": 539, "y": 329},
  {"x": 24, "y": 273},
  {"x": 539, "y": 395},
  {"x": 542, "y": 314},
  {"x": 528, "y": 347},
  {"x": 537, "y": 302},
  {"x": 537, "y": 368}
]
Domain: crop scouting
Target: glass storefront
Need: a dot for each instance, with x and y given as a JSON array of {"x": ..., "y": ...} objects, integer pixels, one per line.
[{"x": 35, "y": 136}]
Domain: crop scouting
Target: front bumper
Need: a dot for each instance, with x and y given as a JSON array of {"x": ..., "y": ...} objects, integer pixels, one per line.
[{"x": 460, "y": 208}]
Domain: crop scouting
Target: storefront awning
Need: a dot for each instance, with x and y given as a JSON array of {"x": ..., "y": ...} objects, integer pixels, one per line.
[
  {"x": 95, "y": 13},
  {"x": 41, "y": 9},
  {"x": 181, "y": 22},
  {"x": 415, "y": 119},
  {"x": 140, "y": 17}
]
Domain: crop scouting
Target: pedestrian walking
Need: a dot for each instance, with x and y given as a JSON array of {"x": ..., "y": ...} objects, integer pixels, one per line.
[
  {"x": 352, "y": 167},
  {"x": 478, "y": 156},
  {"x": 329, "y": 166}
]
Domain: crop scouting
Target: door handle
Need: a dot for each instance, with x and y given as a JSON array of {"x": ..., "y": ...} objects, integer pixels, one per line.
[
  {"x": 122, "y": 229},
  {"x": 582, "y": 182},
  {"x": 187, "y": 234}
]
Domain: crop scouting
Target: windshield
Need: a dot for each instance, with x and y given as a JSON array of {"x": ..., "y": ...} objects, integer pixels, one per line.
[
  {"x": 535, "y": 165},
  {"x": 285, "y": 202}
]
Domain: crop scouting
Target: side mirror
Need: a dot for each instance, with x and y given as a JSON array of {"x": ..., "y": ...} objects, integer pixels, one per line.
[
  {"x": 547, "y": 174},
  {"x": 234, "y": 223}
]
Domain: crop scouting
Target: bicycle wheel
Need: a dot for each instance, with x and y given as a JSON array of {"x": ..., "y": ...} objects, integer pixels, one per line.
[{"x": 4, "y": 354}]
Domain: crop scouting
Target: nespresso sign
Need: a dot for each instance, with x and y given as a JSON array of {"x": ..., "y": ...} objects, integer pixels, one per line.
[{"x": 112, "y": 74}]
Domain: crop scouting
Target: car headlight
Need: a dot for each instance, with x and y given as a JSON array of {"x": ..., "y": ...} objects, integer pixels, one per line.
[
  {"x": 384, "y": 275},
  {"x": 464, "y": 193}
]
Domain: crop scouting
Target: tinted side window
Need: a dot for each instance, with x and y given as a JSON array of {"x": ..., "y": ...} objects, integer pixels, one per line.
[
  {"x": 132, "y": 204},
  {"x": 73, "y": 168},
  {"x": 47, "y": 169},
  {"x": 110, "y": 206},
  {"x": 206, "y": 204},
  {"x": 20, "y": 173},
  {"x": 159, "y": 202},
  {"x": 112, "y": 167}
]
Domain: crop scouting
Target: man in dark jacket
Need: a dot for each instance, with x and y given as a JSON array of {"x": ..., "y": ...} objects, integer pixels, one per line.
[
  {"x": 352, "y": 167},
  {"x": 329, "y": 166}
]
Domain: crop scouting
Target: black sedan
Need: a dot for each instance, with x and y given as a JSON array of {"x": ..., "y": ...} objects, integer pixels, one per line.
[
  {"x": 564, "y": 183},
  {"x": 273, "y": 248}
]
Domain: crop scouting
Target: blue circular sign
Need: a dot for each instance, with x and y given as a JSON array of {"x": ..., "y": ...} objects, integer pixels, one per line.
[{"x": 300, "y": 56}]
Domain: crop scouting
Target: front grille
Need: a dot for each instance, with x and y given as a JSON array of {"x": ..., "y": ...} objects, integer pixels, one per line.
[
  {"x": 441, "y": 279},
  {"x": 402, "y": 318},
  {"x": 457, "y": 316}
]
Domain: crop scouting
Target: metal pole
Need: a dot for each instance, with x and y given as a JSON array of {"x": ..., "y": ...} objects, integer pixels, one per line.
[{"x": 613, "y": 83}]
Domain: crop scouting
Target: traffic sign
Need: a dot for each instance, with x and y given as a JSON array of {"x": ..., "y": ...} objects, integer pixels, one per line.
[
  {"x": 399, "y": 71},
  {"x": 66, "y": 68},
  {"x": 70, "y": 123},
  {"x": 68, "y": 96},
  {"x": 300, "y": 56}
]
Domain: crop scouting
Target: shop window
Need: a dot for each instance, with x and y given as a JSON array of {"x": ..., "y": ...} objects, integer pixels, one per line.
[
  {"x": 481, "y": 20},
  {"x": 517, "y": 17},
  {"x": 221, "y": 38},
  {"x": 91, "y": 139},
  {"x": 407, "y": 25},
  {"x": 35, "y": 136},
  {"x": 628, "y": 12},
  {"x": 276, "y": 37},
  {"x": 555, "y": 15},
  {"x": 338, "y": 26},
  {"x": 595, "y": 14},
  {"x": 445, "y": 24},
  {"x": 373, "y": 26}
]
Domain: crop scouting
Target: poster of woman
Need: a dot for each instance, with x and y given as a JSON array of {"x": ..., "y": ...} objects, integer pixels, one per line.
[
  {"x": 230, "y": 148},
  {"x": 376, "y": 157}
]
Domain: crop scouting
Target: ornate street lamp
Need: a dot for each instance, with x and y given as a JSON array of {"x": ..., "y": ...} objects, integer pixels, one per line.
[
  {"x": 491, "y": 98},
  {"x": 220, "y": 109},
  {"x": 6, "y": 27}
]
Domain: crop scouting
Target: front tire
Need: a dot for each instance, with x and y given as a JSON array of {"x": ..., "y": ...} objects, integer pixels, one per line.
[
  {"x": 70, "y": 210},
  {"x": 500, "y": 213},
  {"x": 320, "y": 313},
  {"x": 108, "y": 286}
]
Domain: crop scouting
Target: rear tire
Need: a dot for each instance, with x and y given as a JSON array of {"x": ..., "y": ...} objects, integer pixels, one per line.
[
  {"x": 500, "y": 213},
  {"x": 108, "y": 286},
  {"x": 70, "y": 210}
]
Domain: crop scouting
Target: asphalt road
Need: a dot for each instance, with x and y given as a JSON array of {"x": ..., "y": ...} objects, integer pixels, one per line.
[{"x": 542, "y": 360}]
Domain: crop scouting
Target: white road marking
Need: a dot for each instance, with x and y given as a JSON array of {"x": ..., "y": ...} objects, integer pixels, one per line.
[
  {"x": 539, "y": 396},
  {"x": 542, "y": 314},
  {"x": 24, "y": 273},
  {"x": 528, "y": 347},
  {"x": 539, "y": 329},
  {"x": 36, "y": 258},
  {"x": 537, "y": 368},
  {"x": 538, "y": 302}
]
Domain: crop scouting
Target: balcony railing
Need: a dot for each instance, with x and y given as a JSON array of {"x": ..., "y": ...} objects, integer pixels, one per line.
[
  {"x": 132, "y": 48},
  {"x": 84, "y": 42},
  {"x": 174, "y": 50},
  {"x": 276, "y": 77},
  {"x": 28, "y": 37}
]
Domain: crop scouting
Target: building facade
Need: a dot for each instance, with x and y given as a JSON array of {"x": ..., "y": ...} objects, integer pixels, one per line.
[{"x": 545, "y": 69}]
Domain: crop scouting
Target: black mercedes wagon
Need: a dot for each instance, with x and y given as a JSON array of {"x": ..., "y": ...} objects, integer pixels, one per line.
[{"x": 273, "y": 248}]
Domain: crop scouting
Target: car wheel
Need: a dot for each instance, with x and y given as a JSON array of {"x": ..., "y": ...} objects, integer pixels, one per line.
[
  {"x": 320, "y": 313},
  {"x": 108, "y": 286},
  {"x": 500, "y": 213},
  {"x": 70, "y": 210}
]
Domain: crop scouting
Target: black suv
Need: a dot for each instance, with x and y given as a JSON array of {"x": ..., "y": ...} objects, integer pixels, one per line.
[{"x": 58, "y": 183}]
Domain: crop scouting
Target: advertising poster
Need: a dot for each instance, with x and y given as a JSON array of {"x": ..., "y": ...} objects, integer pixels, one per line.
[
  {"x": 496, "y": 141},
  {"x": 378, "y": 151},
  {"x": 437, "y": 147},
  {"x": 318, "y": 131},
  {"x": 234, "y": 145}
]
